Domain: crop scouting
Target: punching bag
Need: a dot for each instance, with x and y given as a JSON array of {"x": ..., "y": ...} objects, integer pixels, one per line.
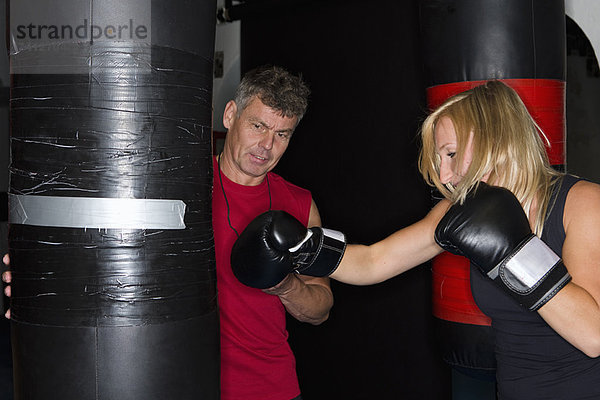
[
  {"x": 465, "y": 42},
  {"x": 110, "y": 236}
]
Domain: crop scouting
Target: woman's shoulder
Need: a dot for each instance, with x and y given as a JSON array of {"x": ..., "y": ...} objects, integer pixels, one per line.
[
  {"x": 583, "y": 202},
  {"x": 583, "y": 190}
]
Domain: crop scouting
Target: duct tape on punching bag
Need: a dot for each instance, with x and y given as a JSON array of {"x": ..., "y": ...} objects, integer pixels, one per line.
[
  {"x": 465, "y": 42},
  {"x": 111, "y": 243}
]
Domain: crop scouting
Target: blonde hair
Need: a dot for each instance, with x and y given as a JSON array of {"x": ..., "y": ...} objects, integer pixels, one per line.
[{"x": 507, "y": 144}]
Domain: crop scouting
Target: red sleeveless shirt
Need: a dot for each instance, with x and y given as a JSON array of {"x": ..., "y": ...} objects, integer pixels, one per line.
[{"x": 256, "y": 359}]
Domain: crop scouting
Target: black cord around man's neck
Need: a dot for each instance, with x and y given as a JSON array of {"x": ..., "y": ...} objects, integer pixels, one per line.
[{"x": 225, "y": 196}]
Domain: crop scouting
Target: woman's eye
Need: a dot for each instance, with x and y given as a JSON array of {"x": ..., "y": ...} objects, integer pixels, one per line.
[{"x": 452, "y": 154}]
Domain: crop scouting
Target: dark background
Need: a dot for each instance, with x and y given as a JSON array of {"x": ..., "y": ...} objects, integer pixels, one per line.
[{"x": 356, "y": 151}]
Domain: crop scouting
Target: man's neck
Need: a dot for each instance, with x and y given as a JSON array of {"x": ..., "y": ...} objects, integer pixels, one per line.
[{"x": 230, "y": 169}]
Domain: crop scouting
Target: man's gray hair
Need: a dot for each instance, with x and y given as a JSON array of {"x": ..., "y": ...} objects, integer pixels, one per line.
[{"x": 277, "y": 88}]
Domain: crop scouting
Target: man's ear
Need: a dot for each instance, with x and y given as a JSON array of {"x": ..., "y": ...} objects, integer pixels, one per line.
[{"x": 229, "y": 114}]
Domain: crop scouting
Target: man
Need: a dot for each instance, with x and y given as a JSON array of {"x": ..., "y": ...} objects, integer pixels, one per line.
[
  {"x": 257, "y": 362},
  {"x": 256, "y": 359}
]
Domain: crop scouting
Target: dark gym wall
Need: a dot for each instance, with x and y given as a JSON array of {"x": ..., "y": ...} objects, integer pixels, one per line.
[{"x": 356, "y": 151}]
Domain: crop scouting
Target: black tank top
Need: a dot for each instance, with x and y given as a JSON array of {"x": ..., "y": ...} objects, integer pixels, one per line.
[{"x": 533, "y": 361}]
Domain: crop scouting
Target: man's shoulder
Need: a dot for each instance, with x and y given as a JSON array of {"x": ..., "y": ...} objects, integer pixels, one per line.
[{"x": 279, "y": 180}]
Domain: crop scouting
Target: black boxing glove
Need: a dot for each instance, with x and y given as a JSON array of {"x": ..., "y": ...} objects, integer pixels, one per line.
[
  {"x": 275, "y": 244},
  {"x": 491, "y": 229}
]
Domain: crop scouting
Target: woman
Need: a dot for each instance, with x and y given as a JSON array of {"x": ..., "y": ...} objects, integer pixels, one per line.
[{"x": 486, "y": 135}]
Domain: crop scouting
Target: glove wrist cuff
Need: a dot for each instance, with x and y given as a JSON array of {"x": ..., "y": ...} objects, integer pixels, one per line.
[
  {"x": 533, "y": 273},
  {"x": 527, "y": 265},
  {"x": 328, "y": 249}
]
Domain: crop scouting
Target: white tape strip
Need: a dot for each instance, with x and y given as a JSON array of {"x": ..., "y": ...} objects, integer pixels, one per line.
[{"x": 93, "y": 212}]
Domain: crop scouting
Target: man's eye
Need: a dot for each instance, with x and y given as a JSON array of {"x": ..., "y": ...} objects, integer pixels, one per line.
[
  {"x": 259, "y": 128},
  {"x": 285, "y": 136}
]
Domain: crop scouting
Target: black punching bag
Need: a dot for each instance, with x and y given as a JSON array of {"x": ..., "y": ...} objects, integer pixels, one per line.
[
  {"x": 110, "y": 236},
  {"x": 465, "y": 42}
]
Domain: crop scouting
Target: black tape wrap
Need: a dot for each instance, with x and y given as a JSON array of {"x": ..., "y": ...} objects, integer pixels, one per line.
[{"x": 117, "y": 313}]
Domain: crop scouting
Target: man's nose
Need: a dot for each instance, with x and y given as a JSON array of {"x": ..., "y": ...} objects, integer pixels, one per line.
[{"x": 266, "y": 141}]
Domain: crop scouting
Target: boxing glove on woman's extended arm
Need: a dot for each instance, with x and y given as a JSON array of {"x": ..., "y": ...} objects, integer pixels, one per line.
[
  {"x": 275, "y": 244},
  {"x": 491, "y": 229}
]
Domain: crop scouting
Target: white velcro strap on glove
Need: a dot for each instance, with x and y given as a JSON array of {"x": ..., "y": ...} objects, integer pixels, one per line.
[
  {"x": 527, "y": 267},
  {"x": 336, "y": 235}
]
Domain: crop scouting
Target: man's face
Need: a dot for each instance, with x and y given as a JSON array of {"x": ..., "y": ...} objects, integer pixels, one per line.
[{"x": 256, "y": 140}]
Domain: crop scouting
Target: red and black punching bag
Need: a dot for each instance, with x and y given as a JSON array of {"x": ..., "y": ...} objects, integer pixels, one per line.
[
  {"x": 110, "y": 236},
  {"x": 465, "y": 42}
]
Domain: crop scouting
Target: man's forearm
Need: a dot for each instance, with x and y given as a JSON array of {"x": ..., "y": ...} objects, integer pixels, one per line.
[{"x": 307, "y": 299}]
